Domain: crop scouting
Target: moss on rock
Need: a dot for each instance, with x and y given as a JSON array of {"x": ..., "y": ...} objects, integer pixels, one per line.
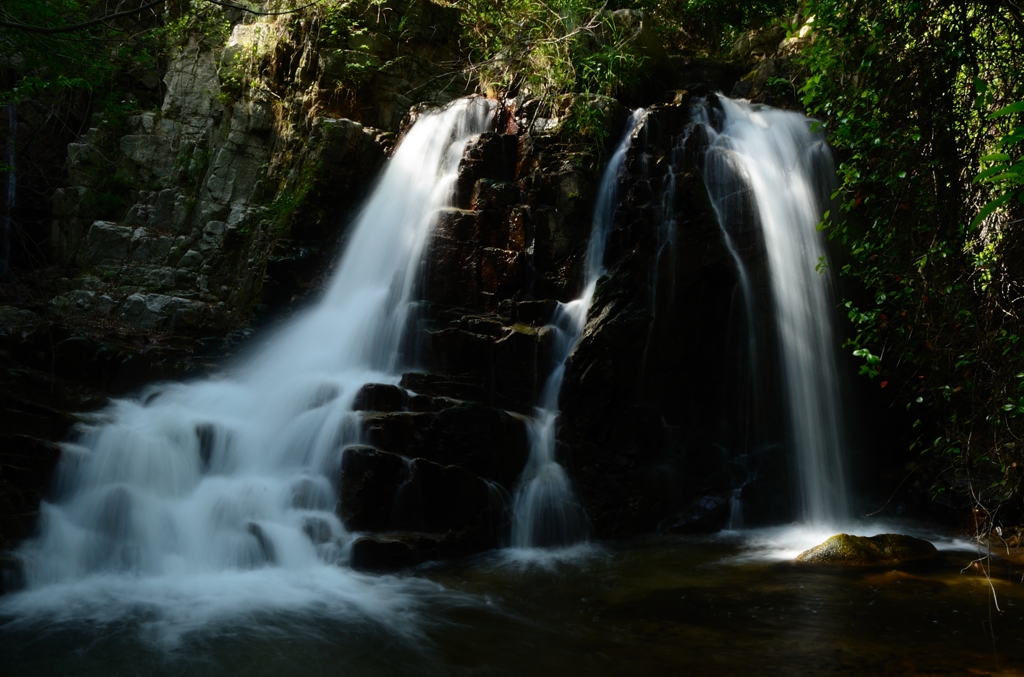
[{"x": 874, "y": 551}]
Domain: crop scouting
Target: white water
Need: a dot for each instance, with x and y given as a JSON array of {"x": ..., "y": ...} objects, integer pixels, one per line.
[
  {"x": 789, "y": 169},
  {"x": 215, "y": 497},
  {"x": 665, "y": 261},
  {"x": 546, "y": 512}
]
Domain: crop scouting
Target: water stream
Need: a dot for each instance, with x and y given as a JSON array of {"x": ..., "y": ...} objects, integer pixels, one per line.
[
  {"x": 546, "y": 512},
  {"x": 788, "y": 171},
  {"x": 215, "y": 497}
]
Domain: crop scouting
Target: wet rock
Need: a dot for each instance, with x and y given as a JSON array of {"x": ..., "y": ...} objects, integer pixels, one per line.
[
  {"x": 393, "y": 552},
  {"x": 486, "y": 441},
  {"x": 452, "y": 273},
  {"x": 642, "y": 424},
  {"x": 311, "y": 494},
  {"x": 380, "y": 397},
  {"x": 502, "y": 272},
  {"x": 206, "y": 434},
  {"x": 492, "y": 194},
  {"x": 490, "y": 156},
  {"x": 401, "y": 433},
  {"x": 884, "y": 550},
  {"x": 441, "y": 385},
  {"x": 317, "y": 529},
  {"x": 428, "y": 404},
  {"x": 456, "y": 225},
  {"x": 439, "y": 498},
  {"x": 266, "y": 546},
  {"x": 508, "y": 363},
  {"x": 368, "y": 482}
]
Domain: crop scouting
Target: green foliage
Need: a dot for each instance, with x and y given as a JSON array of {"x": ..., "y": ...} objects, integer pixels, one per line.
[
  {"x": 914, "y": 96},
  {"x": 104, "y": 60},
  {"x": 586, "y": 121},
  {"x": 1002, "y": 169},
  {"x": 543, "y": 48},
  {"x": 711, "y": 26},
  {"x": 197, "y": 20}
]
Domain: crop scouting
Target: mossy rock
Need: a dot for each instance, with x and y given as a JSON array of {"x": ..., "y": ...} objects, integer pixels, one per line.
[{"x": 883, "y": 550}]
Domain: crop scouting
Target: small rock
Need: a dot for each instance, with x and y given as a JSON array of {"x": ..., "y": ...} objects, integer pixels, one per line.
[
  {"x": 392, "y": 552},
  {"x": 883, "y": 550}
]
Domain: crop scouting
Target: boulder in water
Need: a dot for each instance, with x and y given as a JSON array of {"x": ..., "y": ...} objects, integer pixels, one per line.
[
  {"x": 392, "y": 552},
  {"x": 883, "y": 550},
  {"x": 380, "y": 397},
  {"x": 367, "y": 483}
]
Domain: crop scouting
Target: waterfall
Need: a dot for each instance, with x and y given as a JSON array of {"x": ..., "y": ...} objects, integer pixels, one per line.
[
  {"x": 788, "y": 170},
  {"x": 234, "y": 473},
  {"x": 546, "y": 512}
]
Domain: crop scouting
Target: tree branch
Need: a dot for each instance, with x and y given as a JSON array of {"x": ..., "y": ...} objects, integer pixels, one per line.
[
  {"x": 28, "y": 28},
  {"x": 230, "y": 5}
]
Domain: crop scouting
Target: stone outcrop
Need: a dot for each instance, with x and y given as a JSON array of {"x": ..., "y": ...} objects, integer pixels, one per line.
[
  {"x": 637, "y": 398},
  {"x": 430, "y": 484},
  {"x": 230, "y": 195},
  {"x": 884, "y": 550}
]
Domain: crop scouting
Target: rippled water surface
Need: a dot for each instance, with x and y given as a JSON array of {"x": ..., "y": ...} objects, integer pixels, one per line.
[{"x": 653, "y": 607}]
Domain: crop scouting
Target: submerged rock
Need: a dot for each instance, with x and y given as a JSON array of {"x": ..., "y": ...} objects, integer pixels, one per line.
[
  {"x": 380, "y": 397},
  {"x": 873, "y": 551},
  {"x": 392, "y": 552}
]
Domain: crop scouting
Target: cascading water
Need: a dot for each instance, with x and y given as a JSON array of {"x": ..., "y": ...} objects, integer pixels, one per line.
[
  {"x": 210, "y": 480},
  {"x": 789, "y": 171},
  {"x": 546, "y": 512}
]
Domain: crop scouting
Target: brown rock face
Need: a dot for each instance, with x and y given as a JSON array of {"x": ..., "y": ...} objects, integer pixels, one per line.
[
  {"x": 646, "y": 396},
  {"x": 485, "y": 440}
]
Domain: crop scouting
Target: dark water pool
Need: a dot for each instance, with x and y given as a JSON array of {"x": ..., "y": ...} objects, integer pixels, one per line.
[{"x": 654, "y": 607}]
